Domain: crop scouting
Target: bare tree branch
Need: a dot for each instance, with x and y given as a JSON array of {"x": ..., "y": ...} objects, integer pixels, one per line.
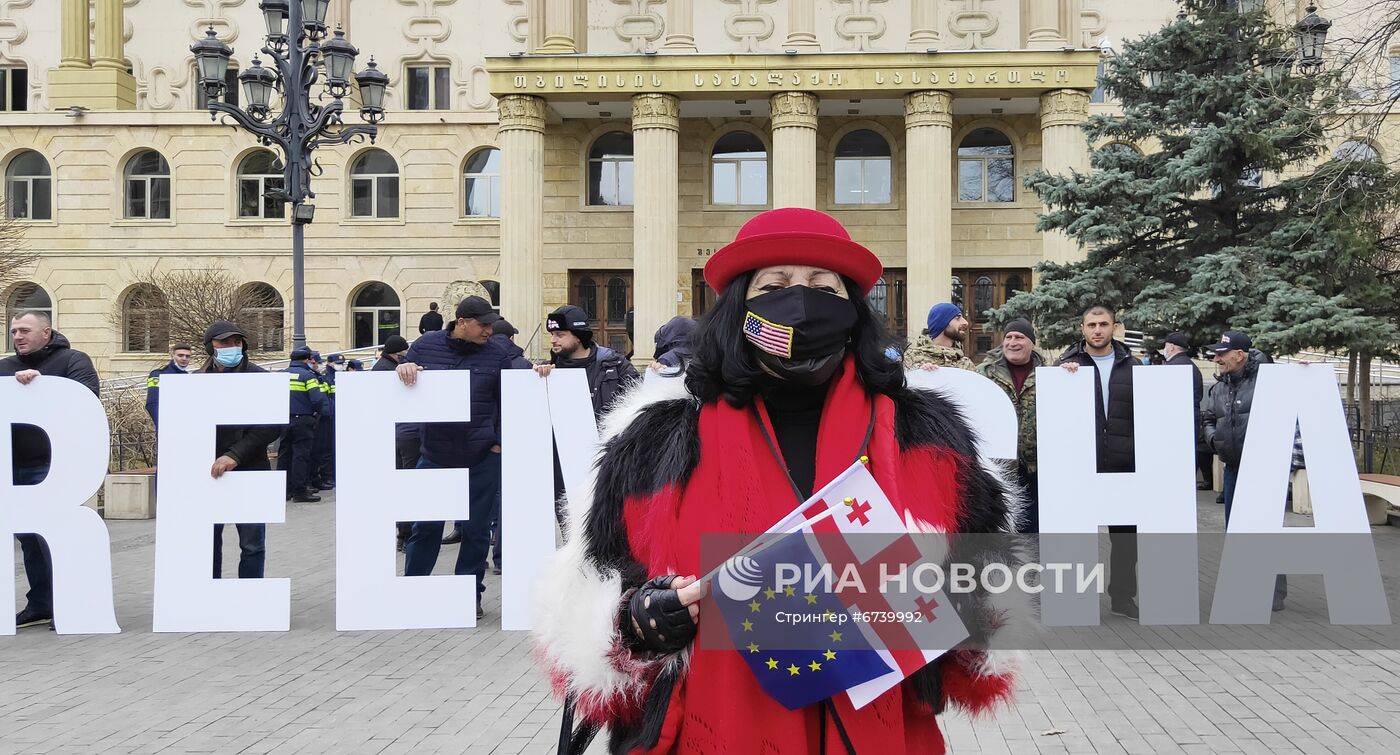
[{"x": 196, "y": 297}]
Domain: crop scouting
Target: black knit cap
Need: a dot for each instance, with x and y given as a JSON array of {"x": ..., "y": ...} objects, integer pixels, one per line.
[{"x": 1022, "y": 326}]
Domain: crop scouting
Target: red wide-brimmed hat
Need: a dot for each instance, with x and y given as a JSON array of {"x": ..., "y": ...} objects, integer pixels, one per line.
[{"x": 794, "y": 236}]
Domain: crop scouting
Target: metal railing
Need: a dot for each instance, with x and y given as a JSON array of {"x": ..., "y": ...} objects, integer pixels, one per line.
[{"x": 133, "y": 435}]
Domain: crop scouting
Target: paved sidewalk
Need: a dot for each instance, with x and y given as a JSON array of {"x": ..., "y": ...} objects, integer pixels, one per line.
[{"x": 315, "y": 690}]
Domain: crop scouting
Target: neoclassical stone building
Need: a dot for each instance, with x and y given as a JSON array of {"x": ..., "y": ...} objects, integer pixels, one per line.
[{"x": 544, "y": 151}]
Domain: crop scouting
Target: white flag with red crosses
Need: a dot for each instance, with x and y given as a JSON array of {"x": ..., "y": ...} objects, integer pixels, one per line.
[{"x": 916, "y": 626}]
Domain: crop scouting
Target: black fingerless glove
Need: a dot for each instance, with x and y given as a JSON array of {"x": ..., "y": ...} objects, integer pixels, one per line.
[{"x": 659, "y": 621}]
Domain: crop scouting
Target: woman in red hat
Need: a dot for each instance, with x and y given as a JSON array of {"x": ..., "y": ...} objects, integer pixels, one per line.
[{"x": 788, "y": 385}]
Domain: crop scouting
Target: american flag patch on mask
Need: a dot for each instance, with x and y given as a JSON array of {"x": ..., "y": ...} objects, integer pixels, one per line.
[{"x": 771, "y": 337}]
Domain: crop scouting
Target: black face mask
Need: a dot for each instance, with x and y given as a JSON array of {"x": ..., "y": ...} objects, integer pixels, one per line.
[{"x": 800, "y": 333}]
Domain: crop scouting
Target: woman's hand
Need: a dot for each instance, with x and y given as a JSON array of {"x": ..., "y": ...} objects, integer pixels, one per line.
[{"x": 664, "y": 611}]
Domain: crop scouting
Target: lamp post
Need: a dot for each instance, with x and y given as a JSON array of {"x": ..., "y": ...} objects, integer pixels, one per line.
[
  {"x": 1311, "y": 34},
  {"x": 301, "y": 57}
]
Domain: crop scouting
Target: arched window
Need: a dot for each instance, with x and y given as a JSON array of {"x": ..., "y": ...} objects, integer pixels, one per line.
[
  {"x": 493, "y": 290},
  {"x": 29, "y": 187},
  {"x": 376, "y": 314},
  {"x": 587, "y": 298},
  {"x": 145, "y": 320},
  {"x": 25, "y": 297},
  {"x": 260, "y": 312},
  {"x": 147, "y": 187},
  {"x": 374, "y": 186},
  {"x": 982, "y": 290},
  {"x": 258, "y": 174},
  {"x": 958, "y": 291},
  {"x": 1355, "y": 149},
  {"x": 1013, "y": 285},
  {"x": 986, "y": 167},
  {"x": 617, "y": 302},
  {"x": 610, "y": 170},
  {"x": 481, "y": 196},
  {"x": 863, "y": 168},
  {"x": 739, "y": 170}
]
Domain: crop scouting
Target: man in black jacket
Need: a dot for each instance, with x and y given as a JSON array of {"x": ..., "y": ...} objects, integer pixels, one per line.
[
  {"x": 242, "y": 447},
  {"x": 1112, "y": 363},
  {"x": 1178, "y": 351},
  {"x": 430, "y": 321},
  {"x": 1227, "y": 417},
  {"x": 475, "y": 445},
  {"x": 39, "y": 350}
]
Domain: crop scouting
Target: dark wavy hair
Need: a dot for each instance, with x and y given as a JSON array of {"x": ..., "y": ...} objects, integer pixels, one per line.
[{"x": 724, "y": 364}]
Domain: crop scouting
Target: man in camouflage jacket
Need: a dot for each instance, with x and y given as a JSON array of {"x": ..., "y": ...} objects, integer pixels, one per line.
[
  {"x": 941, "y": 344},
  {"x": 1012, "y": 366}
]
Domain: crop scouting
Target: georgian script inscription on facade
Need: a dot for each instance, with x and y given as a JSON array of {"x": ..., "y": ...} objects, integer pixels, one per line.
[{"x": 814, "y": 80}]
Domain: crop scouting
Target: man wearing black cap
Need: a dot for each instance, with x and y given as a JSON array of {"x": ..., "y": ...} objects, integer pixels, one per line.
[
  {"x": 1227, "y": 417},
  {"x": 294, "y": 453},
  {"x": 475, "y": 445},
  {"x": 1178, "y": 351},
  {"x": 1012, "y": 366},
  {"x": 238, "y": 447},
  {"x": 571, "y": 345}
]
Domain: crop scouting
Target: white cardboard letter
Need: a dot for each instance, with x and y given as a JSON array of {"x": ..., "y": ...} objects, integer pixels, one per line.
[
  {"x": 77, "y": 537},
  {"x": 187, "y": 597},
  {"x": 984, "y": 404},
  {"x": 372, "y": 494}
]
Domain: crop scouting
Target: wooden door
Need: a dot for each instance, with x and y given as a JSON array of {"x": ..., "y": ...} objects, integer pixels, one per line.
[
  {"x": 606, "y": 295},
  {"x": 977, "y": 291}
]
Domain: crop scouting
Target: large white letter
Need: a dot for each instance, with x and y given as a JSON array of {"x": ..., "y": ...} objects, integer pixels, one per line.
[
  {"x": 187, "y": 597},
  {"x": 372, "y": 494},
  {"x": 1159, "y": 497},
  {"x": 77, "y": 537},
  {"x": 535, "y": 411},
  {"x": 985, "y": 405},
  {"x": 1338, "y": 545}
]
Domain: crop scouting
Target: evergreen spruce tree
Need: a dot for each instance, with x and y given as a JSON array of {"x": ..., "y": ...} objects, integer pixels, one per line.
[{"x": 1234, "y": 214}]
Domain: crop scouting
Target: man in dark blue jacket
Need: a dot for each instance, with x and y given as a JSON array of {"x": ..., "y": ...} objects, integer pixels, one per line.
[
  {"x": 179, "y": 364},
  {"x": 475, "y": 445},
  {"x": 39, "y": 350},
  {"x": 299, "y": 439}
]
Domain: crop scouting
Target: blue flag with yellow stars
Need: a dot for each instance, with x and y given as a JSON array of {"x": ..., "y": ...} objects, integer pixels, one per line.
[{"x": 796, "y": 637}]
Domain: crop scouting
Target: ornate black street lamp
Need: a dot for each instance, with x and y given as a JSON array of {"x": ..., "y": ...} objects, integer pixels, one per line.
[
  {"x": 295, "y": 33},
  {"x": 1311, "y": 34}
]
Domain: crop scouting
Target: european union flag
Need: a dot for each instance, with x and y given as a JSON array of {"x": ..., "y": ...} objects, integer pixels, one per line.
[{"x": 793, "y": 636}]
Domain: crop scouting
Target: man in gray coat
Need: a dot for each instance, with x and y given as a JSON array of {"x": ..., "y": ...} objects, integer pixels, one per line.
[{"x": 1227, "y": 418}]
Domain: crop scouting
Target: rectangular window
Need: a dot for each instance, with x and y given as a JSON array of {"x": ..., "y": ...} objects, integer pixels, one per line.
[
  {"x": 1001, "y": 180},
  {"x": 1394, "y": 75},
  {"x": 249, "y": 197},
  {"x": 848, "y": 184},
  {"x": 483, "y": 197},
  {"x": 136, "y": 198},
  {"x": 160, "y": 198},
  {"x": 970, "y": 180},
  {"x": 362, "y": 198},
  {"x": 877, "y": 181},
  {"x": 387, "y": 199},
  {"x": 230, "y": 96},
  {"x": 753, "y": 182},
  {"x": 40, "y": 192},
  {"x": 272, "y": 206},
  {"x": 724, "y": 180},
  {"x": 429, "y": 88},
  {"x": 17, "y": 192},
  {"x": 14, "y": 89}
]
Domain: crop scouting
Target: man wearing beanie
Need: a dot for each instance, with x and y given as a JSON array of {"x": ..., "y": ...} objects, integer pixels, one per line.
[
  {"x": 1012, "y": 366},
  {"x": 571, "y": 345},
  {"x": 941, "y": 344}
]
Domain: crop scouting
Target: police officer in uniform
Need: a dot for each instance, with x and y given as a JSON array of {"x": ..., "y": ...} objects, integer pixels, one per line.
[
  {"x": 179, "y": 364},
  {"x": 294, "y": 454},
  {"x": 323, "y": 456}
]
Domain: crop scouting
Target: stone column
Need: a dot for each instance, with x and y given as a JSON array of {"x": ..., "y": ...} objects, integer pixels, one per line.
[
  {"x": 794, "y": 149},
  {"x": 521, "y": 140},
  {"x": 802, "y": 25},
  {"x": 110, "y": 36},
  {"x": 928, "y": 201},
  {"x": 1043, "y": 25},
  {"x": 680, "y": 26},
  {"x": 1064, "y": 147},
  {"x": 655, "y": 243},
  {"x": 559, "y": 29},
  {"x": 340, "y": 15},
  {"x": 74, "y": 46},
  {"x": 923, "y": 26}
]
